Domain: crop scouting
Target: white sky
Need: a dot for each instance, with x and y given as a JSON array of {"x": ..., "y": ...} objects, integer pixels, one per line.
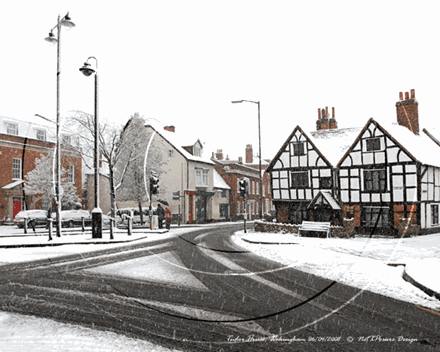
[{"x": 182, "y": 62}]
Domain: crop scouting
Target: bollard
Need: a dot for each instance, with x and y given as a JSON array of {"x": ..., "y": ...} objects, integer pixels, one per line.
[
  {"x": 50, "y": 228},
  {"x": 130, "y": 221},
  {"x": 83, "y": 223}
]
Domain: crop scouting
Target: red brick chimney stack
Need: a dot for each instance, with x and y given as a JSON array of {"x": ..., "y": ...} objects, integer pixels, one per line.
[
  {"x": 323, "y": 122},
  {"x": 249, "y": 154},
  {"x": 170, "y": 128},
  {"x": 240, "y": 160},
  {"x": 408, "y": 112},
  {"x": 219, "y": 154}
]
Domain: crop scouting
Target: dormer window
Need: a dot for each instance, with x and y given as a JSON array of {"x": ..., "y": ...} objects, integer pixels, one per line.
[
  {"x": 12, "y": 128},
  {"x": 41, "y": 135},
  {"x": 373, "y": 144},
  {"x": 197, "y": 150}
]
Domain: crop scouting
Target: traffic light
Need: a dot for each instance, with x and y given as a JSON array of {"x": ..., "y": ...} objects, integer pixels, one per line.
[
  {"x": 243, "y": 187},
  {"x": 154, "y": 184}
]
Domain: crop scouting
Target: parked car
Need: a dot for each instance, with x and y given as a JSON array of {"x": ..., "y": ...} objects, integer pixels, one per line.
[
  {"x": 72, "y": 218},
  {"x": 40, "y": 217}
]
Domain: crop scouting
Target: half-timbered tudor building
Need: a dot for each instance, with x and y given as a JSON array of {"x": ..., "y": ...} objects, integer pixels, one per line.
[
  {"x": 303, "y": 173},
  {"x": 379, "y": 175}
]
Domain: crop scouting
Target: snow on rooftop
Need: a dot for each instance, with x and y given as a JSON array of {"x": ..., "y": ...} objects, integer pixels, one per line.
[
  {"x": 178, "y": 141},
  {"x": 422, "y": 147},
  {"x": 219, "y": 182},
  {"x": 333, "y": 143}
]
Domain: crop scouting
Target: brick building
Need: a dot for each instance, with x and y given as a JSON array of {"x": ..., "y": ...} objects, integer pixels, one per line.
[
  {"x": 20, "y": 144},
  {"x": 232, "y": 171}
]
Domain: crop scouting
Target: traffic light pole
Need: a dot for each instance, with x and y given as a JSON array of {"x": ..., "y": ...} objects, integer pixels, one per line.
[{"x": 245, "y": 212}]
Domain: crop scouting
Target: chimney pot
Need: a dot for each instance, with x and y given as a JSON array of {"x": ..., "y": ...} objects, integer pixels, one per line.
[
  {"x": 413, "y": 94},
  {"x": 333, "y": 113},
  {"x": 400, "y": 96},
  {"x": 240, "y": 160},
  {"x": 326, "y": 112},
  {"x": 319, "y": 114},
  {"x": 406, "y": 95}
]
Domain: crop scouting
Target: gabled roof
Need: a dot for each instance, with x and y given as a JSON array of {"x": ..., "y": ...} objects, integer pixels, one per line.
[
  {"x": 418, "y": 147},
  {"x": 329, "y": 144},
  {"x": 173, "y": 139},
  {"x": 324, "y": 197}
]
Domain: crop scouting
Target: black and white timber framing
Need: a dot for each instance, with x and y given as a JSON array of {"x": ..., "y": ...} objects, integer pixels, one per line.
[{"x": 376, "y": 174}]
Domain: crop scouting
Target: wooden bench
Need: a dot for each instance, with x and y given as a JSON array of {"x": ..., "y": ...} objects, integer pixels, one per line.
[{"x": 314, "y": 226}]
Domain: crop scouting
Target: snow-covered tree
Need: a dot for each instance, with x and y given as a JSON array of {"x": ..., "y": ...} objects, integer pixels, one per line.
[
  {"x": 132, "y": 172},
  {"x": 40, "y": 181}
]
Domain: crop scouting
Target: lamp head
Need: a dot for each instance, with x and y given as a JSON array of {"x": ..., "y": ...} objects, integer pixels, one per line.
[
  {"x": 236, "y": 101},
  {"x": 66, "y": 22},
  {"x": 86, "y": 69},
  {"x": 51, "y": 38}
]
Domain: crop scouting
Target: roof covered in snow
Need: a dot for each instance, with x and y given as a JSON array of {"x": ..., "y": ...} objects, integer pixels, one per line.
[
  {"x": 178, "y": 142},
  {"x": 334, "y": 143},
  {"x": 420, "y": 146},
  {"x": 219, "y": 182}
]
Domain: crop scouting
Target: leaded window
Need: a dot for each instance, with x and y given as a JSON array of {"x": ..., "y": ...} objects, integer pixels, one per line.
[{"x": 375, "y": 180}]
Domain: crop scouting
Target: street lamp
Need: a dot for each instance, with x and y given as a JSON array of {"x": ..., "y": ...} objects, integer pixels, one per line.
[
  {"x": 65, "y": 22},
  {"x": 96, "y": 213},
  {"x": 260, "y": 198}
]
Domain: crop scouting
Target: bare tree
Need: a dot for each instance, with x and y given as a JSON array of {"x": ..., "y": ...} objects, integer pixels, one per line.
[{"x": 81, "y": 125}]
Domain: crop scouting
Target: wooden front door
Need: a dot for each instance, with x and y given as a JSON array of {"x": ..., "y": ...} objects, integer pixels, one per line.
[{"x": 16, "y": 207}]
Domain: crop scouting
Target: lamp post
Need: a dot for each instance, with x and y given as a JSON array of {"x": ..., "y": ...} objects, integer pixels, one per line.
[
  {"x": 96, "y": 213},
  {"x": 66, "y": 22},
  {"x": 260, "y": 198}
]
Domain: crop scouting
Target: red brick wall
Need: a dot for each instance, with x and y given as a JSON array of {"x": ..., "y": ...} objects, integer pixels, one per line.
[{"x": 12, "y": 147}]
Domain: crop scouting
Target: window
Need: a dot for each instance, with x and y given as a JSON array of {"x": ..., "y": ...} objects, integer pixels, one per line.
[
  {"x": 70, "y": 174},
  {"x": 300, "y": 179},
  {"x": 202, "y": 179},
  {"x": 224, "y": 211},
  {"x": 238, "y": 207},
  {"x": 170, "y": 153},
  {"x": 197, "y": 150},
  {"x": 238, "y": 185},
  {"x": 375, "y": 180},
  {"x": 12, "y": 128},
  {"x": 373, "y": 144},
  {"x": 325, "y": 182},
  {"x": 41, "y": 135},
  {"x": 224, "y": 193},
  {"x": 16, "y": 168},
  {"x": 298, "y": 148},
  {"x": 371, "y": 215},
  {"x": 264, "y": 191},
  {"x": 434, "y": 214}
]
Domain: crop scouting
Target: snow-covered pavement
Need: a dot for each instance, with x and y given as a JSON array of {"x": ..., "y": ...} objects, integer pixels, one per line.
[{"x": 359, "y": 262}]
